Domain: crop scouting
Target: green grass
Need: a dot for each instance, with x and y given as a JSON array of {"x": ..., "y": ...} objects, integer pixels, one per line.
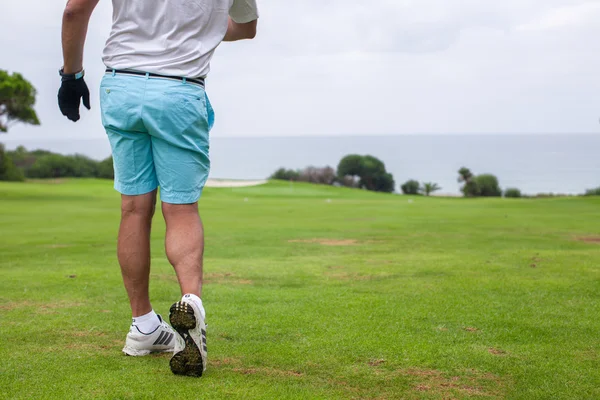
[{"x": 365, "y": 296}]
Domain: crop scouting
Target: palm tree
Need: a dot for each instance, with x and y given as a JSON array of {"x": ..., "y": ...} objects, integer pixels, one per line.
[
  {"x": 429, "y": 187},
  {"x": 470, "y": 188},
  {"x": 465, "y": 175}
]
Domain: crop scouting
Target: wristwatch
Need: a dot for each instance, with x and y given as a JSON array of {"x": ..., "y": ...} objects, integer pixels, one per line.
[{"x": 71, "y": 77}]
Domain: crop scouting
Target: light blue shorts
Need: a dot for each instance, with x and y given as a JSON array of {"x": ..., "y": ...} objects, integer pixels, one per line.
[{"x": 159, "y": 133}]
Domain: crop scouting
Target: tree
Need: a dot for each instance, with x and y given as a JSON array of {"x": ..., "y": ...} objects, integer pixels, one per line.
[
  {"x": 106, "y": 169},
  {"x": 351, "y": 165},
  {"x": 8, "y": 170},
  {"x": 17, "y": 97},
  {"x": 488, "y": 186},
  {"x": 512, "y": 193},
  {"x": 383, "y": 183},
  {"x": 469, "y": 188},
  {"x": 429, "y": 187},
  {"x": 322, "y": 176},
  {"x": 369, "y": 170},
  {"x": 285, "y": 175},
  {"x": 410, "y": 187},
  {"x": 593, "y": 192}
]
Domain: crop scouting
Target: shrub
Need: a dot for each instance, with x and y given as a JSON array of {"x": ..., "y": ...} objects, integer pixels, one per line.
[
  {"x": 285, "y": 175},
  {"x": 351, "y": 165},
  {"x": 410, "y": 187},
  {"x": 59, "y": 166},
  {"x": 512, "y": 193},
  {"x": 429, "y": 187},
  {"x": 384, "y": 183},
  {"x": 368, "y": 170},
  {"x": 470, "y": 188},
  {"x": 348, "y": 181},
  {"x": 8, "y": 170},
  {"x": 593, "y": 192},
  {"x": 106, "y": 169},
  {"x": 487, "y": 186},
  {"x": 323, "y": 176}
]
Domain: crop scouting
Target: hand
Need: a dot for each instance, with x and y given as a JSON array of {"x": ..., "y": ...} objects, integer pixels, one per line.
[{"x": 69, "y": 98}]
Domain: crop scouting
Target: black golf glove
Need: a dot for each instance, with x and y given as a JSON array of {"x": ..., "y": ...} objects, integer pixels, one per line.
[{"x": 69, "y": 97}]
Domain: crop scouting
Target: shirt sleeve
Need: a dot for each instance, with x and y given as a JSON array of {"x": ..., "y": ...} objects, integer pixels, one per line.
[{"x": 243, "y": 11}]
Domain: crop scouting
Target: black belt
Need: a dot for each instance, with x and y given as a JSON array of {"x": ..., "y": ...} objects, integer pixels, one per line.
[{"x": 197, "y": 81}]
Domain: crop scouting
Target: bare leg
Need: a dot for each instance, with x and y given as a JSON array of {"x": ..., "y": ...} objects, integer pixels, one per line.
[
  {"x": 133, "y": 249},
  {"x": 184, "y": 244}
]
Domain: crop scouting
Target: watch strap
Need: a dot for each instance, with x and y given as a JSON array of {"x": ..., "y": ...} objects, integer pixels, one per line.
[{"x": 71, "y": 77}]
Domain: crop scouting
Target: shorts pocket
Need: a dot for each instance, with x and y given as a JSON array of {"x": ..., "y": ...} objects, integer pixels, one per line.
[
  {"x": 120, "y": 108},
  {"x": 185, "y": 111}
]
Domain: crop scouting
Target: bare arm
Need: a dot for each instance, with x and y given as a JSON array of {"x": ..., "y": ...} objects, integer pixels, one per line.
[
  {"x": 74, "y": 30},
  {"x": 237, "y": 31}
]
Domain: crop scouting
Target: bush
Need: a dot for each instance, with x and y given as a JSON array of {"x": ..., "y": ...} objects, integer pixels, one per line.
[
  {"x": 512, "y": 193},
  {"x": 487, "y": 186},
  {"x": 106, "y": 169},
  {"x": 45, "y": 164},
  {"x": 429, "y": 187},
  {"x": 470, "y": 189},
  {"x": 384, "y": 183},
  {"x": 322, "y": 176},
  {"x": 348, "y": 181},
  {"x": 351, "y": 165},
  {"x": 285, "y": 175},
  {"x": 8, "y": 170},
  {"x": 368, "y": 170},
  {"x": 593, "y": 192},
  {"x": 410, "y": 187},
  {"x": 59, "y": 166}
]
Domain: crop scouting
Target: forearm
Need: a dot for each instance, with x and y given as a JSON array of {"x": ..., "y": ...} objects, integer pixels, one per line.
[
  {"x": 74, "y": 30},
  {"x": 237, "y": 31}
]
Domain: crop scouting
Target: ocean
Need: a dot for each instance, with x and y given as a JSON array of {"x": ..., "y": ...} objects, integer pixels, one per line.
[{"x": 534, "y": 163}]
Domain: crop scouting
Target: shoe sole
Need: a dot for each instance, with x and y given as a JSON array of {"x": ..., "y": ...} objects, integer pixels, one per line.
[
  {"x": 187, "y": 362},
  {"x": 129, "y": 351}
]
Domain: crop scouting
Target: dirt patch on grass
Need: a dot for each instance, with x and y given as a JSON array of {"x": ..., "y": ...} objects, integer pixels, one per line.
[
  {"x": 90, "y": 347},
  {"x": 471, "y": 383},
  {"x": 589, "y": 239},
  {"x": 87, "y": 333},
  {"x": 471, "y": 329},
  {"x": 346, "y": 276},
  {"x": 220, "y": 362},
  {"x": 327, "y": 242},
  {"x": 42, "y": 308},
  {"x": 376, "y": 363},
  {"x": 497, "y": 352},
  {"x": 267, "y": 371},
  {"x": 425, "y": 383}
]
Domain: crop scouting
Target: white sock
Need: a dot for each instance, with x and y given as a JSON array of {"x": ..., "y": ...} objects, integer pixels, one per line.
[
  {"x": 147, "y": 323},
  {"x": 197, "y": 301}
]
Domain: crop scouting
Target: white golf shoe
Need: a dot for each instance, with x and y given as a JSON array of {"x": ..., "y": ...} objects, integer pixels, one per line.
[
  {"x": 141, "y": 344},
  {"x": 190, "y": 355}
]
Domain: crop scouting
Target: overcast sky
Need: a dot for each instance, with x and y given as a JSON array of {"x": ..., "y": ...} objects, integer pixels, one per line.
[{"x": 333, "y": 67}]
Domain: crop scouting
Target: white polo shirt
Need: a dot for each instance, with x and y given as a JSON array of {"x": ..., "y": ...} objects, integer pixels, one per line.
[{"x": 171, "y": 37}]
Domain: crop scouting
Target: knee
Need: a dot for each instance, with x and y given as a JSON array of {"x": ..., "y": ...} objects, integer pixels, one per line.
[
  {"x": 172, "y": 210},
  {"x": 138, "y": 207}
]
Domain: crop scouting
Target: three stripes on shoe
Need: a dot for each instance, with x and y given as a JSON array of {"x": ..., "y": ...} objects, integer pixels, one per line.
[{"x": 163, "y": 339}]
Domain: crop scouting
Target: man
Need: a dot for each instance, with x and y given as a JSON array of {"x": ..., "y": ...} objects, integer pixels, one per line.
[{"x": 157, "y": 118}]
